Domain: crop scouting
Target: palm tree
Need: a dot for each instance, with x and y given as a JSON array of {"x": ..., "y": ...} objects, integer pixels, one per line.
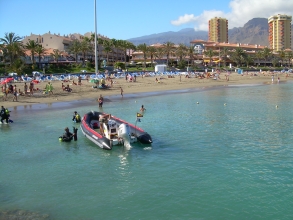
[
  {"x": 267, "y": 53},
  {"x": 282, "y": 55},
  {"x": 209, "y": 53},
  {"x": 12, "y": 43},
  {"x": 275, "y": 61},
  {"x": 190, "y": 54},
  {"x": 168, "y": 48},
  {"x": 114, "y": 44},
  {"x": 56, "y": 54},
  {"x": 40, "y": 50},
  {"x": 159, "y": 53},
  {"x": 125, "y": 46},
  {"x": 31, "y": 45},
  {"x": 224, "y": 54},
  {"x": 259, "y": 55},
  {"x": 181, "y": 51},
  {"x": 100, "y": 47},
  {"x": 107, "y": 44},
  {"x": 75, "y": 48},
  {"x": 248, "y": 59},
  {"x": 151, "y": 52},
  {"x": 18, "y": 66},
  {"x": 238, "y": 56},
  {"x": 289, "y": 56},
  {"x": 85, "y": 46},
  {"x": 144, "y": 49}
]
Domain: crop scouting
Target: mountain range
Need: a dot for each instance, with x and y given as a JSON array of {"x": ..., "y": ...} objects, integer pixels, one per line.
[{"x": 255, "y": 31}]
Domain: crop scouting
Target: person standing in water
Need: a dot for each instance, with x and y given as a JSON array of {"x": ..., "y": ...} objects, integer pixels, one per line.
[
  {"x": 121, "y": 91},
  {"x": 101, "y": 101},
  {"x": 142, "y": 109}
]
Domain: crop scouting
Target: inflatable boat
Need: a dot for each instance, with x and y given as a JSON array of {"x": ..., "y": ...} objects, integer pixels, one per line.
[{"x": 113, "y": 131}]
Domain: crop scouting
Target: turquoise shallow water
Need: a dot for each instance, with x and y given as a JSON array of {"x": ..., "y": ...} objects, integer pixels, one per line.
[{"x": 208, "y": 160}]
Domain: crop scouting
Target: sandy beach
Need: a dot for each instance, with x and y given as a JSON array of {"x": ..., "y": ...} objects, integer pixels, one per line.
[{"x": 142, "y": 85}]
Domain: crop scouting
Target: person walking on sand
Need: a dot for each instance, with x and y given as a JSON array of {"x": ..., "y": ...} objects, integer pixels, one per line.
[
  {"x": 31, "y": 88},
  {"x": 121, "y": 91},
  {"x": 14, "y": 93},
  {"x": 25, "y": 87}
]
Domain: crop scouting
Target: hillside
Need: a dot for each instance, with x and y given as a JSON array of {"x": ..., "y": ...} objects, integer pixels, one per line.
[
  {"x": 183, "y": 36},
  {"x": 255, "y": 31}
]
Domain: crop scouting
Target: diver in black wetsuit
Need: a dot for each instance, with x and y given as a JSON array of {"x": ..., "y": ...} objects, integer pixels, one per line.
[
  {"x": 4, "y": 113},
  {"x": 67, "y": 136}
]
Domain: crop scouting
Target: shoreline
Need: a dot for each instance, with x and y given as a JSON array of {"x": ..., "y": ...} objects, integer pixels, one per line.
[{"x": 85, "y": 95}]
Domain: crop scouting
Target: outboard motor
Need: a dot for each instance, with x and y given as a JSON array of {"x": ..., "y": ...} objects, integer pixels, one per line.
[
  {"x": 124, "y": 134},
  {"x": 145, "y": 138}
]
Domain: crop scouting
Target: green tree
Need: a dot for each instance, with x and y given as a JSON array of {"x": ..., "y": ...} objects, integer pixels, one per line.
[
  {"x": 282, "y": 55},
  {"x": 267, "y": 53},
  {"x": 31, "y": 45},
  {"x": 144, "y": 49},
  {"x": 13, "y": 46},
  {"x": 151, "y": 52},
  {"x": 40, "y": 50},
  {"x": 224, "y": 55},
  {"x": 125, "y": 46},
  {"x": 275, "y": 61},
  {"x": 259, "y": 56},
  {"x": 85, "y": 47},
  {"x": 17, "y": 66},
  {"x": 190, "y": 54},
  {"x": 181, "y": 52},
  {"x": 75, "y": 48},
  {"x": 238, "y": 56},
  {"x": 160, "y": 53},
  {"x": 289, "y": 56},
  {"x": 248, "y": 60},
  {"x": 119, "y": 65},
  {"x": 168, "y": 48},
  {"x": 209, "y": 53},
  {"x": 56, "y": 54},
  {"x": 107, "y": 44}
]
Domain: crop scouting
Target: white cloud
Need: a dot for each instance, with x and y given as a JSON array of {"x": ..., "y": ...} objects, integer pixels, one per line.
[{"x": 241, "y": 11}]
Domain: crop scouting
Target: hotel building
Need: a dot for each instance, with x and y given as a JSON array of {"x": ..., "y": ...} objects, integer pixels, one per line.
[
  {"x": 218, "y": 30},
  {"x": 280, "y": 32}
]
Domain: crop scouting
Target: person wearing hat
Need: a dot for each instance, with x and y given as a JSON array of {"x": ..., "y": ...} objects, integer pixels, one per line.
[{"x": 76, "y": 117}]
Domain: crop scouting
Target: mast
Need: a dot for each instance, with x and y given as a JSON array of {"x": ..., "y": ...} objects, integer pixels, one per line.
[{"x": 96, "y": 46}]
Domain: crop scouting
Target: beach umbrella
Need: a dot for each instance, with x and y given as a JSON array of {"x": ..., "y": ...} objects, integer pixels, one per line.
[{"x": 8, "y": 80}]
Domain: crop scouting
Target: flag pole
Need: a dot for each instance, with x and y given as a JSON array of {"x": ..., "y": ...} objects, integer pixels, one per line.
[{"x": 96, "y": 47}]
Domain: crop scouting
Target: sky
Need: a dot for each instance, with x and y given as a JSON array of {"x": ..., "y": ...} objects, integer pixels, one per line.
[{"x": 124, "y": 20}]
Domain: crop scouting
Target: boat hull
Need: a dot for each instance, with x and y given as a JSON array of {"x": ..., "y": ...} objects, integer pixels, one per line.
[{"x": 89, "y": 127}]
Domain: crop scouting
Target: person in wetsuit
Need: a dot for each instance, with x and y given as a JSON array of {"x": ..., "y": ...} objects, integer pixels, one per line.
[
  {"x": 67, "y": 136},
  {"x": 4, "y": 113},
  {"x": 76, "y": 117}
]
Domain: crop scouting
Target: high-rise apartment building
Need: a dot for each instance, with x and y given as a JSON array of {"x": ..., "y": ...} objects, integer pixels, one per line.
[
  {"x": 218, "y": 30},
  {"x": 280, "y": 32}
]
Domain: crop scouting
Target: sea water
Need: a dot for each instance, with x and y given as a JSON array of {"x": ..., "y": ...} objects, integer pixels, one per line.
[{"x": 217, "y": 153}]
